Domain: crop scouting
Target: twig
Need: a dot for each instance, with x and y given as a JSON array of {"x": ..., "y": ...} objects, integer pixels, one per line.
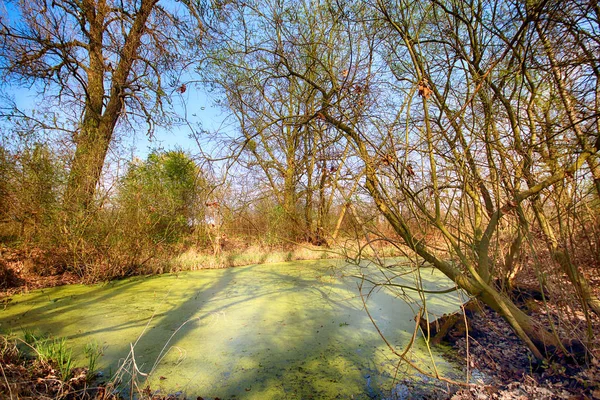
[
  {"x": 403, "y": 355},
  {"x": 466, "y": 340},
  {"x": 7, "y": 384}
]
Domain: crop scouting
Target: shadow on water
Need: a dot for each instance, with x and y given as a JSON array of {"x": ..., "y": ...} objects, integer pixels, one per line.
[{"x": 293, "y": 330}]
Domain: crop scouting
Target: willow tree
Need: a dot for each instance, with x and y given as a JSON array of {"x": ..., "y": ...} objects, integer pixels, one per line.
[
  {"x": 463, "y": 120},
  {"x": 282, "y": 137},
  {"x": 105, "y": 63},
  {"x": 489, "y": 115}
]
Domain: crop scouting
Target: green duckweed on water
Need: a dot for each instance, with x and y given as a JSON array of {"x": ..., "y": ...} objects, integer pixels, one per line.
[{"x": 289, "y": 330}]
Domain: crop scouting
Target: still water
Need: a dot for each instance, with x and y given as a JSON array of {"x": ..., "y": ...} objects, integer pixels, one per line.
[{"x": 271, "y": 331}]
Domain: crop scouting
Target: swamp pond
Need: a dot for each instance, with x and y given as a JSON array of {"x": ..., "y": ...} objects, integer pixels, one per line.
[{"x": 270, "y": 331}]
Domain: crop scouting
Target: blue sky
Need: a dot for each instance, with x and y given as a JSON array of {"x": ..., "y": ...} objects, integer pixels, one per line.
[
  {"x": 199, "y": 109},
  {"x": 195, "y": 105}
]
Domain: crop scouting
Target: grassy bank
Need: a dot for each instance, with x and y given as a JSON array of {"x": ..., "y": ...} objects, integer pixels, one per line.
[
  {"x": 41, "y": 367},
  {"x": 193, "y": 259},
  {"x": 25, "y": 268}
]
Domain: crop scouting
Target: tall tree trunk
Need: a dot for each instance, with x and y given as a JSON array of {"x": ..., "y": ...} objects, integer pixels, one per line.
[
  {"x": 340, "y": 219},
  {"x": 101, "y": 115},
  {"x": 86, "y": 169},
  {"x": 322, "y": 211}
]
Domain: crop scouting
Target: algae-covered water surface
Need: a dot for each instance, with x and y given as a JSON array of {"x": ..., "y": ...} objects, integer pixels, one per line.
[{"x": 289, "y": 330}]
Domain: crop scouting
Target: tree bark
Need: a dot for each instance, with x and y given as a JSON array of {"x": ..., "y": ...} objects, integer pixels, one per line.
[{"x": 100, "y": 115}]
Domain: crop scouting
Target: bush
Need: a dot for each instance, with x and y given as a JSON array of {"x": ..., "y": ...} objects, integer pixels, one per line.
[
  {"x": 30, "y": 181},
  {"x": 161, "y": 196}
]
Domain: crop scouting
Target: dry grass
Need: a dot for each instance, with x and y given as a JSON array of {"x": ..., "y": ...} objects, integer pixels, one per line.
[{"x": 193, "y": 259}]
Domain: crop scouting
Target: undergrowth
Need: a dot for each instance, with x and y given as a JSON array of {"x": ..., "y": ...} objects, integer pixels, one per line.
[
  {"x": 41, "y": 366},
  {"x": 52, "y": 350}
]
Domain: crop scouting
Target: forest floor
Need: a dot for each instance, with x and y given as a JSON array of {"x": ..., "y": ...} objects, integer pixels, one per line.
[
  {"x": 504, "y": 368},
  {"x": 499, "y": 365}
]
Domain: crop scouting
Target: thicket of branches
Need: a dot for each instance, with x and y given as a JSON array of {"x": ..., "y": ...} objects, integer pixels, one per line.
[
  {"x": 473, "y": 127},
  {"x": 465, "y": 132}
]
